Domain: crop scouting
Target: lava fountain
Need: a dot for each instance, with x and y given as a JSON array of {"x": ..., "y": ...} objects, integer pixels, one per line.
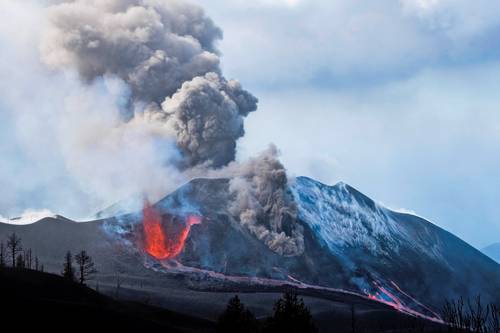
[{"x": 165, "y": 241}]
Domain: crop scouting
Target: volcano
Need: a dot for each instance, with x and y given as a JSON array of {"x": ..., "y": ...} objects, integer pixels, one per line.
[{"x": 355, "y": 251}]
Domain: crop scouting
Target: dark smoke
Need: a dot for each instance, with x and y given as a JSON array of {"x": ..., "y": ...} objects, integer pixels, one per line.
[
  {"x": 164, "y": 53},
  {"x": 265, "y": 206}
]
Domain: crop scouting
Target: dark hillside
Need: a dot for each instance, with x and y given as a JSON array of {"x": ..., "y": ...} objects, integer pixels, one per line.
[{"x": 36, "y": 300}]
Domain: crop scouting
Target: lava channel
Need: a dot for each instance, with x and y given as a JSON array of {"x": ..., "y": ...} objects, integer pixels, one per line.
[{"x": 165, "y": 239}]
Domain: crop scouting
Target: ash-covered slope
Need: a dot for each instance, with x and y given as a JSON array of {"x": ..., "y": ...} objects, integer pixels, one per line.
[{"x": 389, "y": 248}]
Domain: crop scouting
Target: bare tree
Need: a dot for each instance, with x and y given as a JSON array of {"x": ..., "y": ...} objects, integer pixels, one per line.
[
  {"x": 20, "y": 263},
  {"x": 14, "y": 246},
  {"x": 36, "y": 263},
  {"x": 68, "y": 270},
  {"x": 2, "y": 255},
  {"x": 471, "y": 316},
  {"x": 353, "y": 319},
  {"x": 86, "y": 266},
  {"x": 119, "y": 281},
  {"x": 28, "y": 259}
]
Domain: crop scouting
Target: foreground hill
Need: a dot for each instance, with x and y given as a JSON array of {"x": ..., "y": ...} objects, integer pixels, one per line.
[{"x": 36, "y": 300}]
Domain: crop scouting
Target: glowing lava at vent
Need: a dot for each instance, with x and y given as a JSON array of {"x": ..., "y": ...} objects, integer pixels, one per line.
[{"x": 165, "y": 242}]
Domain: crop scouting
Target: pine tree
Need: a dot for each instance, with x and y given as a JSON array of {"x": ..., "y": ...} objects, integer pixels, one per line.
[
  {"x": 291, "y": 315},
  {"x": 68, "y": 270},
  {"x": 236, "y": 318}
]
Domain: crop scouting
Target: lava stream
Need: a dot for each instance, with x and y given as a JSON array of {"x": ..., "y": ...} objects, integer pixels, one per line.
[{"x": 161, "y": 244}]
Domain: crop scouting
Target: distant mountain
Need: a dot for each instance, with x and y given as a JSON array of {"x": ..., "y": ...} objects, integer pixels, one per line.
[
  {"x": 493, "y": 251},
  {"x": 355, "y": 251}
]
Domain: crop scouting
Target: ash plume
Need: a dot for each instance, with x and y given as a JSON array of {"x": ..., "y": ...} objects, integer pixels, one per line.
[
  {"x": 207, "y": 115},
  {"x": 165, "y": 53},
  {"x": 264, "y": 205},
  {"x": 139, "y": 105}
]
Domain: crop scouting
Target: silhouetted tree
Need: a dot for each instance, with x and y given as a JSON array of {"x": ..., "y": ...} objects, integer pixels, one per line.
[
  {"x": 86, "y": 266},
  {"x": 353, "y": 319},
  {"x": 475, "y": 317},
  {"x": 28, "y": 260},
  {"x": 14, "y": 246},
  {"x": 68, "y": 270},
  {"x": 2, "y": 255},
  {"x": 20, "y": 261},
  {"x": 119, "y": 281},
  {"x": 36, "y": 263},
  {"x": 236, "y": 318},
  {"x": 290, "y": 315}
]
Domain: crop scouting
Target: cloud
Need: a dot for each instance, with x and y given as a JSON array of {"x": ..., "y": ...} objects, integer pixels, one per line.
[
  {"x": 428, "y": 143},
  {"x": 348, "y": 43}
]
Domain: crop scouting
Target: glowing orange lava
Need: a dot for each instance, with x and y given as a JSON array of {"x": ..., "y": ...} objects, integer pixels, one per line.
[{"x": 161, "y": 244}]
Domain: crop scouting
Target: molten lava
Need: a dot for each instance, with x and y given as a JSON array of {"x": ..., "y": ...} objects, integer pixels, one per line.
[{"x": 165, "y": 242}]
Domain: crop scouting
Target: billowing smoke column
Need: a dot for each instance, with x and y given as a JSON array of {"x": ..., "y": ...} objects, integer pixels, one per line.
[
  {"x": 164, "y": 51},
  {"x": 164, "y": 54},
  {"x": 264, "y": 204}
]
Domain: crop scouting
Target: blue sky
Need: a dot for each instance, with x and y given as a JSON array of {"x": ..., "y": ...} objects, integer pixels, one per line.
[{"x": 397, "y": 98}]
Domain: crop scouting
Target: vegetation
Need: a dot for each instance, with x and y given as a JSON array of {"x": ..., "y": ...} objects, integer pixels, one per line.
[
  {"x": 236, "y": 318},
  {"x": 86, "y": 266},
  {"x": 290, "y": 315},
  {"x": 14, "y": 246},
  {"x": 19, "y": 258},
  {"x": 2, "y": 255},
  {"x": 68, "y": 271},
  {"x": 471, "y": 316}
]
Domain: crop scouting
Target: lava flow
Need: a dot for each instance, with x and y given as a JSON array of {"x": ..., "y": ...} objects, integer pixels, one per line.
[{"x": 165, "y": 242}]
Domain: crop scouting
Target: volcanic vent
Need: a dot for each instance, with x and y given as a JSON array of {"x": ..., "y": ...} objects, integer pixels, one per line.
[{"x": 164, "y": 236}]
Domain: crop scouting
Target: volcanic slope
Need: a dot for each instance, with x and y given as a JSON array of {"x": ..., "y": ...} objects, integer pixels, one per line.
[{"x": 355, "y": 250}]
